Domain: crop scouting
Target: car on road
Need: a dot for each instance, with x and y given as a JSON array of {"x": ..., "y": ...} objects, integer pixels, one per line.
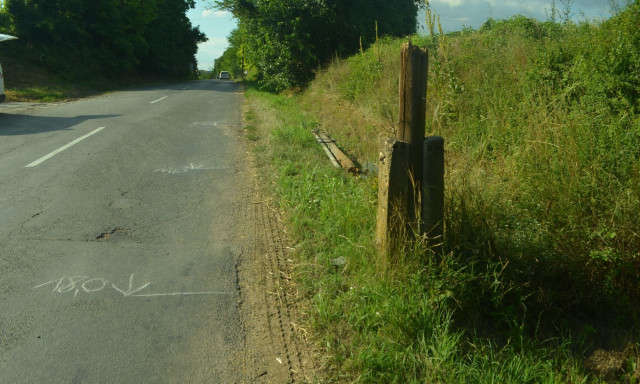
[
  {"x": 3, "y": 97},
  {"x": 224, "y": 75}
]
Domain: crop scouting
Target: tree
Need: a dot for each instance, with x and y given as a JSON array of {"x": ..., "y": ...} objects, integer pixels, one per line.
[
  {"x": 115, "y": 38},
  {"x": 173, "y": 42},
  {"x": 288, "y": 39}
]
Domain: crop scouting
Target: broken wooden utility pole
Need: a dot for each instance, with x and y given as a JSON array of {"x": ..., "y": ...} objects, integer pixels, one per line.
[
  {"x": 400, "y": 176},
  {"x": 336, "y": 155},
  {"x": 411, "y": 122},
  {"x": 325, "y": 148},
  {"x": 342, "y": 158}
]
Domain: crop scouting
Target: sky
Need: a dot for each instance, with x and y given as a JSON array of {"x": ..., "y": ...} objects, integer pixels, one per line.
[
  {"x": 217, "y": 25},
  {"x": 454, "y": 15}
]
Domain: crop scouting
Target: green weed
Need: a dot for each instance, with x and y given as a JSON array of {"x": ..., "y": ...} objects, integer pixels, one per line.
[
  {"x": 38, "y": 94},
  {"x": 541, "y": 259}
]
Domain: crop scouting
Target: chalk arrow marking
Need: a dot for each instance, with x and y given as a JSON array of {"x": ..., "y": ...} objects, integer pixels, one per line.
[{"x": 130, "y": 291}]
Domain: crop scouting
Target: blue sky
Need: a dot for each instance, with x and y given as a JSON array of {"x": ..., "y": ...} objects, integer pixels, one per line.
[
  {"x": 454, "y": 14},
  {"x": 216, "y": 25}
]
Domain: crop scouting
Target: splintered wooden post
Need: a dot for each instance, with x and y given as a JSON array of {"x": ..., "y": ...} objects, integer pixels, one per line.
[
  {"x": 433, "y": 191},
  {"x": 412, "y": 115},
  {"x": 393, "y": 183}
]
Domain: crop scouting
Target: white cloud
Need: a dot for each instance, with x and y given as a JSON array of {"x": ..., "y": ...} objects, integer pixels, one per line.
[
  {"x": 210, "y": 50},
  {"x": 215, "y": 14},
  {"x": 450, "y": 3},
  {"x": 214, "y": 42}
]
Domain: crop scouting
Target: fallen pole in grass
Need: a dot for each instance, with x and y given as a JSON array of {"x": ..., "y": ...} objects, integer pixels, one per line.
[
  {"x": 343, "y": 159},
  {"x": 326, "y": 149},
  {"x": 335, "y": 154}
]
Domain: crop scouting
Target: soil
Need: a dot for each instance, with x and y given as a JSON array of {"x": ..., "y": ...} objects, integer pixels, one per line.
[{"x": 276, "y": 349}]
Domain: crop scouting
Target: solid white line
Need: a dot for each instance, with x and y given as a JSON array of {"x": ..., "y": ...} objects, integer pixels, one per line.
[
  {"x": 74, "y": 142},
  {"x": 184, "y": 294},
  {"x": 160, "y": 99},
  {"x": 186, "y": 87}
]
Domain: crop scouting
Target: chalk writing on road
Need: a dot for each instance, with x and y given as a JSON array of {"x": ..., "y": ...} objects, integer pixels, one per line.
[
  {"x": 87, "y": 285},
  {"x": 184, "y": 169}
]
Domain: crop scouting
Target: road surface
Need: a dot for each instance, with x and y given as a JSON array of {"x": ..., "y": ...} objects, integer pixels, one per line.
[{"x": 119, "y": 237}]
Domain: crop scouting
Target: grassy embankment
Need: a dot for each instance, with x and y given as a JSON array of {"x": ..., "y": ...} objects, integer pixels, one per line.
[
  {"x": 25, "y": 82},
  {"x": 539, "y": 278}
]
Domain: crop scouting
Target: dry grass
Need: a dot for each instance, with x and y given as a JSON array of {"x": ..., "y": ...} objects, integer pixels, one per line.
[{"x": 541, "y": 174}]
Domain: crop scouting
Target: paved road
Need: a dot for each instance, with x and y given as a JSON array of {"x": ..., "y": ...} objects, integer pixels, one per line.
[{"x": 118, "y": 246}]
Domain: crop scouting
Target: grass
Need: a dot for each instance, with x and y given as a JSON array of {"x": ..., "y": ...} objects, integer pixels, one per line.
[
  {"x": 27, "y": 82},
  {"x": 378, "y": 324},
  {"x": 538, "y": 278}
]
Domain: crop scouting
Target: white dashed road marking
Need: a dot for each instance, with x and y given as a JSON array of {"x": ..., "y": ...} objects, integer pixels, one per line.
[
  {"x": 74, "y": 142},
  {"x": 160, "y": 99}
]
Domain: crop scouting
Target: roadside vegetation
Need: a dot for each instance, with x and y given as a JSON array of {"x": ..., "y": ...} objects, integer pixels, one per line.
[
  {"x": 538, "y": 278},
  {"x": 28, "y": 82},
  {"x": 70, "y": 48},
  {"x": 286, "y": 40}
]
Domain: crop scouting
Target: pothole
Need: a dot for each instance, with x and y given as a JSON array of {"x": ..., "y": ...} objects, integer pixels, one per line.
[{"x": 115, "y": 234}]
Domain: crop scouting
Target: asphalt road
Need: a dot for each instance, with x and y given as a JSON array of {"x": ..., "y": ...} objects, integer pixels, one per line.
[{"x": 118, "y": 237}]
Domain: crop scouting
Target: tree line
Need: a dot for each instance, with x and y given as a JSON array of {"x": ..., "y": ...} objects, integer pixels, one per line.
[
  {"x": 286, "y": 40},
  {"x": 111, "y": 39}
]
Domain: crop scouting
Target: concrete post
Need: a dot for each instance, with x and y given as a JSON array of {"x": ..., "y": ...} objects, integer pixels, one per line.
[
  {"x": 433, "y": 190},
  {"x": 393, "y": 190}
]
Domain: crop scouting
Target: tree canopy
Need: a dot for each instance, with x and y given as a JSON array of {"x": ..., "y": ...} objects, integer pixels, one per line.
[
  {"x": 118, "y": 38},
  {"x": 288, "y": 39}
]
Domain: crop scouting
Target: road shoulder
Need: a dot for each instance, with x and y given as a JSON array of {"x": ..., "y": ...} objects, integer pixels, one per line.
[{"x": 276, "y": 348}]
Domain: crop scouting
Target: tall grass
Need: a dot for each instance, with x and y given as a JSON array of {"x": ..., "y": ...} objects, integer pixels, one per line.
[
  {"x": 376, "y": 324},
  {"x": 542, "y": 129},
  {"x": 541, "y": 261}
]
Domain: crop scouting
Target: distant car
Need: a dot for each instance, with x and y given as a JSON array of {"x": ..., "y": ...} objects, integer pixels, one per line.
[
  {"x": 224, "y": 75},
  {"x": 3, "y": 97}
]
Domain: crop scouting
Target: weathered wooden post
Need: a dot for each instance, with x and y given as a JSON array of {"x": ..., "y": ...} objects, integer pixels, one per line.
[
  {"x": 433, "y": 191},
  {"x": 401, "y": 169},
  {"x": 412, "y": 115}
]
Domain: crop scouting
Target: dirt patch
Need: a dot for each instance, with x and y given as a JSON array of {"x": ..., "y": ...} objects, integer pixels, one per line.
[{"x": 276, "y": 348}]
